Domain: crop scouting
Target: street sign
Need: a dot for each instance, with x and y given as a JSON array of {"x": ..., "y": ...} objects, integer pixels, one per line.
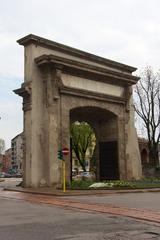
[{"x": 65, "y": 151}]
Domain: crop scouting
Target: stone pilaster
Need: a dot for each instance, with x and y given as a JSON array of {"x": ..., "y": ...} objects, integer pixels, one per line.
[{"x": 133, "y": 161}]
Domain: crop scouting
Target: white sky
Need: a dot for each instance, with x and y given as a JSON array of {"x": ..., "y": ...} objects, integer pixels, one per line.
[{"x": 127, "y": 31}]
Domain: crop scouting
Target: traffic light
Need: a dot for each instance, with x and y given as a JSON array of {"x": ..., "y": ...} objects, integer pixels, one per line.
[{"x": 60, "y": 155}]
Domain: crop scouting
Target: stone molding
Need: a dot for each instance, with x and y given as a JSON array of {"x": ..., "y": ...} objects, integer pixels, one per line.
[
  {"x": 25, "y": 92},
  {"x": 91, "y": 95},
  {"x": 56, "y": 72},
  {"x": 33, "y": 39},
  {"x": 68, "y": 65}
]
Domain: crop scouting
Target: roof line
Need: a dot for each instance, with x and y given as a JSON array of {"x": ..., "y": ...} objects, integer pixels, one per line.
[{"x": 31, "y": 38}]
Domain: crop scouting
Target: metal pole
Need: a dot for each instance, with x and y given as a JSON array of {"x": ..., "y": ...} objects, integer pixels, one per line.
[{"x": 64, "y": 176}]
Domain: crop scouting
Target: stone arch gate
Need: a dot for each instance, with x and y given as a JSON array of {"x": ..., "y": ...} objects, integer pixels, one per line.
[
  {"x": 108, "y": 148},
  {"x": 63, "y": 84}
]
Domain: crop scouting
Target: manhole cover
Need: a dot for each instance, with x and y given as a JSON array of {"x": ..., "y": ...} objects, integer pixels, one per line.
[{"x": 132, "y": 235}]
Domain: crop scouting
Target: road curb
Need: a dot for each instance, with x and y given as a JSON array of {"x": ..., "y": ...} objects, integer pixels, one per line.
[{"x": 81, "y": 192}]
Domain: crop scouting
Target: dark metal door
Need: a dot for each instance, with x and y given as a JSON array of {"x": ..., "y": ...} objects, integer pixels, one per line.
[
  {"x": 109, "y": 169},
  {"x": 71, "y": 159}
]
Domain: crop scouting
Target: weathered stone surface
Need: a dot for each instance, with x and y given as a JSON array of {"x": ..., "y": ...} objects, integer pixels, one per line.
[{"x": 61, "y": 85}]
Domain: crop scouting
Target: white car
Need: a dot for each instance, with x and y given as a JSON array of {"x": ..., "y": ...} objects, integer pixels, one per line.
[{"x": 85, "y": 176}]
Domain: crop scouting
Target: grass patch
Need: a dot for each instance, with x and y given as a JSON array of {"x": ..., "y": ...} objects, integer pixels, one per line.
[
  {"x": 80, "y": 184},
  {"x": 147, "y": 183},
  {"x": 116, "y": 184}
]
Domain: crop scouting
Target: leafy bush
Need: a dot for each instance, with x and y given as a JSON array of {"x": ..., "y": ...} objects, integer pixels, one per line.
[
  {"x": 158, "y": 168},
  {"x": 116, "y": 184},
  {"x": 149, "y": 180},
  {"x": 123, "y": 183}
]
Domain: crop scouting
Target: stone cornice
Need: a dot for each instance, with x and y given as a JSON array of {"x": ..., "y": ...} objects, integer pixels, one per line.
[
  {"x": 66, "y": 64},
  {"x": 25, "y": 92},
  {"x": 29, "y": 39},
  {"x": 91, "y": 95},
  {"x": 21, "y": 92}
]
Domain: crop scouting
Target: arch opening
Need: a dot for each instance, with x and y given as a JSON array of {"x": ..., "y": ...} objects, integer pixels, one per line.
[
  {"x": 83, "y": 142},
  {"x": 103, "y": 157}
]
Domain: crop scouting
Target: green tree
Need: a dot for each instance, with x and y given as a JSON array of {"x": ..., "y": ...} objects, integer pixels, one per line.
[{"x": 82, "y": 140}]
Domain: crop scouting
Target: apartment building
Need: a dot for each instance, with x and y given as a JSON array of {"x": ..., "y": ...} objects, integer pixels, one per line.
[{"x": 17, "y": 152}]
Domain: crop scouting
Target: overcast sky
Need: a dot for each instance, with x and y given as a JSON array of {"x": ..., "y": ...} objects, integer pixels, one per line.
[{"x": 127, "y": 31}]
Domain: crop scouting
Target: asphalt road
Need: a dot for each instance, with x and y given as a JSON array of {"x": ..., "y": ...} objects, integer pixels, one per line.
[
  {"x": 22, "y": 220},
  {"x": 147, "y": 200}
]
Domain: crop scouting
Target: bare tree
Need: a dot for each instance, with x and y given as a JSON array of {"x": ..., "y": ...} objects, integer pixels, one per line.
[{"x": 147, "y": 107}]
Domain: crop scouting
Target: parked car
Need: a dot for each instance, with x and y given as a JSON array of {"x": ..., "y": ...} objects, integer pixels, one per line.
[
  {"x": 17, "y": 175},
  {"x": 85, "y": 176},
  {"x": 9, "y": 175},
  {"x": 5, "y": 175}
]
